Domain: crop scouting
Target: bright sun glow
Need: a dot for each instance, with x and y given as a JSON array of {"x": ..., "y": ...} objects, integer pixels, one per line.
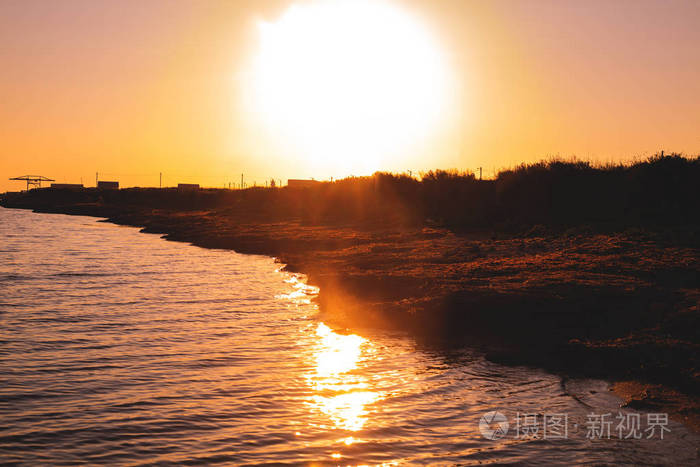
[{"x": 349, "y": 84}]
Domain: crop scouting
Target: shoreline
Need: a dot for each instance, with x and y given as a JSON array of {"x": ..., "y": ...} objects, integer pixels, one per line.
[{"x": 528, "y": 300}]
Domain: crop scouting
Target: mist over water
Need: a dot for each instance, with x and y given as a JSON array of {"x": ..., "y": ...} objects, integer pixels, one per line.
[{"x": 121, "y": 347}]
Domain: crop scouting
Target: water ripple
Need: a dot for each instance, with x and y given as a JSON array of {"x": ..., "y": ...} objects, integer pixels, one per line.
[{"x": 119, "y": 347}]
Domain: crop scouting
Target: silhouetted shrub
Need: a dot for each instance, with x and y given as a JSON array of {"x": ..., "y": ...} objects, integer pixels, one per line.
[{"x": 661, "y": 191}]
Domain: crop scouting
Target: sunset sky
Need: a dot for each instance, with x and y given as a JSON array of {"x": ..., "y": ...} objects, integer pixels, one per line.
[{"x": 203, "y": 91}]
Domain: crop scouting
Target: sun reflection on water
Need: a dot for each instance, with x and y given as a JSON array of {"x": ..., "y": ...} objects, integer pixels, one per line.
[
  {"x": 342, "y": 394},
  {"x": 341, "y": 391},
  {"x": 302, "y": 292}
]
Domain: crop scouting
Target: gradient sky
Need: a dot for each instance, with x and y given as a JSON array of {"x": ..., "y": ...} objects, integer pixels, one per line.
[{"x": 134, "y": 88}]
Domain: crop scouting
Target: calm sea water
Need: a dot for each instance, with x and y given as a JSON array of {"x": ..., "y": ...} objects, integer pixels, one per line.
[{"x": 120, "y": 347}]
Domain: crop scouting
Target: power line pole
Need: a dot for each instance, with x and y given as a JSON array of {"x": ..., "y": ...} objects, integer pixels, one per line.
[
  {"x": 160, "y": 180},
  {"x": 241, "y": 181},
  {"x": 96, "y": 177},
  {"x": 479, "y": 173}
]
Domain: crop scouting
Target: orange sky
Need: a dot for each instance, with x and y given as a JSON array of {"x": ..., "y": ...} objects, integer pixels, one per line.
[{"x": 131, "y": 89}]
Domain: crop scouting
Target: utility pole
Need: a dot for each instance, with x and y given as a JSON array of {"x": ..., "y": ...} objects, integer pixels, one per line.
[
  {"x": 241, "y": 181},
  {"x": 160, "y": 180},
  {"x": 96, "y": 177},
  {"x": 479, "y": 173}
]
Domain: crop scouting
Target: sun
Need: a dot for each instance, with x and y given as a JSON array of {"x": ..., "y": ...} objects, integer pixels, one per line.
[{"x": 347, "y": 85}]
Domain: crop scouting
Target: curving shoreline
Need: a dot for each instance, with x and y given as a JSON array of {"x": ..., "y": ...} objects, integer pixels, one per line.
[{"x": 622, "y": 306}]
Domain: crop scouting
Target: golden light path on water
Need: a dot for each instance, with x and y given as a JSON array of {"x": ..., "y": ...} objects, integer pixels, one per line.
[{"x": 340, "y": 393}]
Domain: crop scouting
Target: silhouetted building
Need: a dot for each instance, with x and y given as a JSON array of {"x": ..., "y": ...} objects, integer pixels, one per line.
[
  {"x": 108, "y": 185},
  {"x": 188, "y": 186},
  {"x": 299, "y": 183},
  {"x": 67, "y": 186}
]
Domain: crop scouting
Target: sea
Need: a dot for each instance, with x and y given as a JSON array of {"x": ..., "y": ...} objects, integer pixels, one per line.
[{"x": 120, "y": 347}]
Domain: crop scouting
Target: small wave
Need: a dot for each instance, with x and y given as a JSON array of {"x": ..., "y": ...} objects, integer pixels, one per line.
[{"x": 16, "y": 277}]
